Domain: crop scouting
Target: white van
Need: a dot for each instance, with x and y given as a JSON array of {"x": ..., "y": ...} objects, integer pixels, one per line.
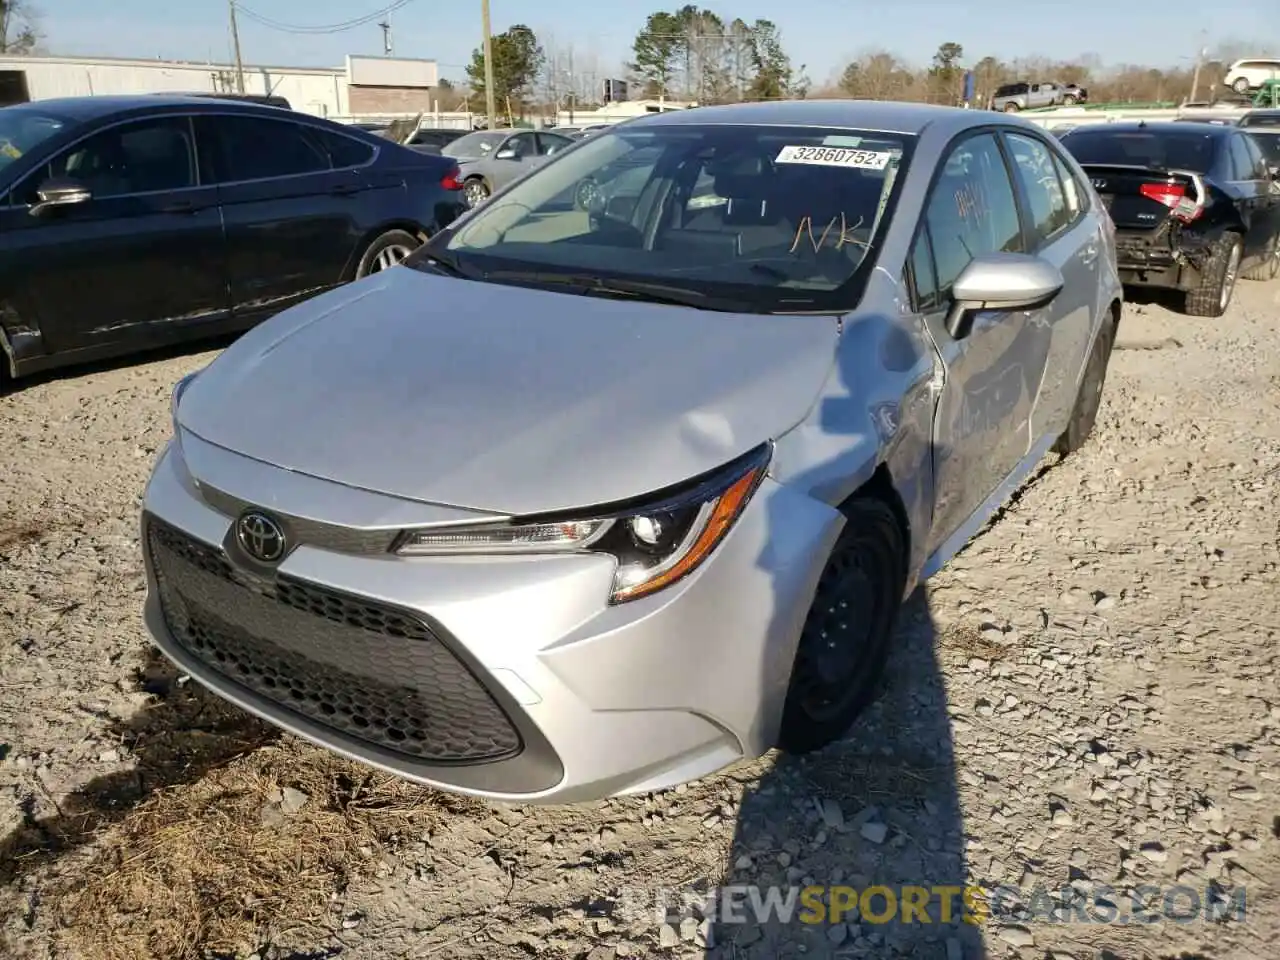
[{"x": 1246, "y": 75}]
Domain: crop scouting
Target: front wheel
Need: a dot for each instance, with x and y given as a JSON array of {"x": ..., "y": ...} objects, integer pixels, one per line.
[
  {"x": 387, "y": 251},
  {"x": 1070, "y": 100},
  {"x": 1010, "y": 108},
  {"x": 845, "y": 641},
  {"x": 1212, "y": 294}
]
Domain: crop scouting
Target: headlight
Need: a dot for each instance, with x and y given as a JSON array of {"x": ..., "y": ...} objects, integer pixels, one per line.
[{"x": 655, "y": 544}]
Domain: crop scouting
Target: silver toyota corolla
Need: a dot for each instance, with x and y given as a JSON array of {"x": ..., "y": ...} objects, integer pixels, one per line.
[{"x": 594, "y": 498}]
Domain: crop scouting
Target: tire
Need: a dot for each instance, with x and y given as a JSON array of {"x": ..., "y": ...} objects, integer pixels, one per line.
[
  {"x": 1241, "y": 86},
  {"x": 1089, "y": 398},
  {"x": 476, "y": 191},
  {"x": 1218, "y": 278},
  {"x": 1070, "y": 100},
  {"x": 387, "y": 250},
  {"x": 865, "y": 576},
  {"x": 1269, "y": 268},
  {"x": 1011, "y": 108}
]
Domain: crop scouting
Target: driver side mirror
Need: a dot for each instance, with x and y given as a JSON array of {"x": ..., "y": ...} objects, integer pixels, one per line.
[
  {"x": 59, "y": 192},
  {"x": 1001, "y": 281},
  {"x": 507, "y": 153}
]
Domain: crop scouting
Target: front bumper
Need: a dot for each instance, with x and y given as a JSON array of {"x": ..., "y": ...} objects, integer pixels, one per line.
[{"x": 508, "y": 678}]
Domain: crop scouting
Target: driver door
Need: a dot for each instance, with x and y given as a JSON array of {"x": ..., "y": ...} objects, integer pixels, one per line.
[
  {"x": 142, "y": 258},
  {"x": 985, "y": 400},
  {"x": 516, "y": 157}
]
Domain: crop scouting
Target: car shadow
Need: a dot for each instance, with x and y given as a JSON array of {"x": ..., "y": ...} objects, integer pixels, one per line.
[
  {"x": 872, "y": 820},
  {"x": 178, "y": 738},
  {"x": 1171, "y": 300}
]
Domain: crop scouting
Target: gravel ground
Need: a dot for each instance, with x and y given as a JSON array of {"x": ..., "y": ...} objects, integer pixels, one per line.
[{"x": 1086, "y": 696}]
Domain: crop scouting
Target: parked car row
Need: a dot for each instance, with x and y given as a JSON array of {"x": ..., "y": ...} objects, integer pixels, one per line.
[
  {"x": 134, "y": 221},
  {"x": 699, "y": 395}
]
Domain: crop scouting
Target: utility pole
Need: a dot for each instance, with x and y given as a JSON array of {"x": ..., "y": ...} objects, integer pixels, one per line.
[
  {"x": 573, "y": 90},
  {"x": 491, "y": 105},
  {"x": 235, "y": 42},
  {"x": 386, "y": 38}
]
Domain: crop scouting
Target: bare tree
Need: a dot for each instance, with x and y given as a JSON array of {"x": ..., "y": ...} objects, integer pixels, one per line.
[
  {"x": 876, "y": 75},
  {"x": 19, "y": 27}
]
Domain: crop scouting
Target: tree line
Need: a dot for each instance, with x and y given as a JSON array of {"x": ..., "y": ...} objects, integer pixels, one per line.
[{"x": 694, "y": 54}]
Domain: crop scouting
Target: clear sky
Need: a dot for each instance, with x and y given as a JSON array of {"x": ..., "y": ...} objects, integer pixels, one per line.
[{"x": 823, "y": 34}]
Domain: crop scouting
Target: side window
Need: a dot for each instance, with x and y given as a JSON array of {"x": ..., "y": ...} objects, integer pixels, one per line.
[
  {"x": 346, "y": 151},
  {"x": 255, "y": 148},
  {"x": 924, "y": 278},
  {"x": 549, "y": 143},
  {"x": 1070, "y": 188},
  {"x": 523, "y": 144},
  {"x": 1241, "y": 162},
  {"x": 1259, "y": 160},
  {"x": 1034, "y": 167},
  {"x": 972, "y": 210},
  {"x": 142, "y": 157}
]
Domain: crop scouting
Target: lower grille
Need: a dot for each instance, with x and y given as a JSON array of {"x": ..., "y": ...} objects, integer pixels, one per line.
[{"x": 372, "y": 673}]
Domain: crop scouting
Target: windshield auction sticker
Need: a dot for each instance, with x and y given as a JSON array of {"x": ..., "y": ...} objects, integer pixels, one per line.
[{"x": 834, "y": 157}]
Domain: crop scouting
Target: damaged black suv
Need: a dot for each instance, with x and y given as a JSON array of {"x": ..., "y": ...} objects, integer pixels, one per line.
[{"x": 1195, "y": 205}]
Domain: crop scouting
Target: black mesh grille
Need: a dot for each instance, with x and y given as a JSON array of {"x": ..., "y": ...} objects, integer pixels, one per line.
[{"x": 372, "y": 673}]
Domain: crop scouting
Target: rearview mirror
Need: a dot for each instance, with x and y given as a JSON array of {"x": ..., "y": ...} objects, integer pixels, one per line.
[
  {"x": 1001, "y": 281},
  {"x": 59, "y": 192}
]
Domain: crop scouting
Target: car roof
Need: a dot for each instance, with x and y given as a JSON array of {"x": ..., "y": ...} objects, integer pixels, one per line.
[
  {"x": 1157, "y": 126},
  {"x": 91, "y": 108},
  {"x": 888, "y": 117}
]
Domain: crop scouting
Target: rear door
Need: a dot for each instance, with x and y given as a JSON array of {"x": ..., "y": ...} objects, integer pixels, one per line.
[
  {"x": 141, "y": 259},
  {"x": 290, "y": 210},
  {"x": 1059, "y": 230},
  {"x": 1252, "y": 187},
  {"x": 1268, "y": 191}
]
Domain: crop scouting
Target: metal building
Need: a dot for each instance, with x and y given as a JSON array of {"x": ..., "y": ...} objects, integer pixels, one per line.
[{"x": 385, "y": 85}]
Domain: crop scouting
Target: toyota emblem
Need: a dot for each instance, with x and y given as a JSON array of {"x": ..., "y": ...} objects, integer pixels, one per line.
[{"x": 260, "y": 537}]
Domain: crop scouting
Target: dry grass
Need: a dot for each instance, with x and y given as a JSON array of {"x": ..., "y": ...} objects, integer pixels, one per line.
[
  {"x": 196, "y": 869},
  {"x": 964, "y": 638}
]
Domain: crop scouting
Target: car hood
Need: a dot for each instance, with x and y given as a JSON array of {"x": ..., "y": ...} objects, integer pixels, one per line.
[{"x": 506, "y": 399}]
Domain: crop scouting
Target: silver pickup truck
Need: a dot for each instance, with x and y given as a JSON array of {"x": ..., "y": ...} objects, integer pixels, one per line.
[{"x": 1025, "y": 95}]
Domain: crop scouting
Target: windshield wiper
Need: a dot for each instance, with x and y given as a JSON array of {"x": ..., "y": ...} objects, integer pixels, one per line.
[
  {"x": 444, "y": 262},
  {"x": 638, "y": 289}
]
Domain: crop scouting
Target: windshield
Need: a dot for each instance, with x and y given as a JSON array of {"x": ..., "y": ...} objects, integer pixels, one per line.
[
  {"x": 1164, "y": 150},
  {"x": 779, "y": 217},
  {"x": 475, "y": 145},
  {"x": 22, "y": 130}
]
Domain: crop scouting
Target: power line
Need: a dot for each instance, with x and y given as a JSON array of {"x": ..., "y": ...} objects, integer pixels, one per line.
[{"x": 328, "y": 28}]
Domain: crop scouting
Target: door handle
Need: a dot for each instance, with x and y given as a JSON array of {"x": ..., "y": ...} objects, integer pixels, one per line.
[
  {"x": 183, "y": 206},
  {"x": 345, "y": 190}
]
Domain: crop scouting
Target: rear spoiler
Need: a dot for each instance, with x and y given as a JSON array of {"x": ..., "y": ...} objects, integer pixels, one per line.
[{"x": 1187, "y": 208}]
